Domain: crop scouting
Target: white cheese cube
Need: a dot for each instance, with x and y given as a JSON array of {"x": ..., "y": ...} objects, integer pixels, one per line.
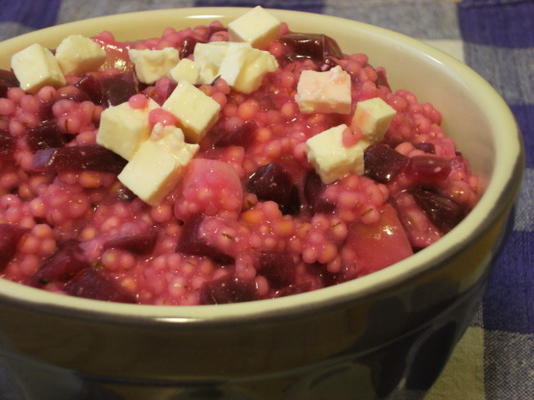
[
  {"x": 123, "y": 128},
  {"x": 185, "y": 70},
  {"x": 157, "y": 166},
  {"x": 35, "y": 67},
  {"x": 209, "y": 57},
  {"x": 77, "y": 54},
  {"x": 257, "y": 27},
  {"x": 331, "y": 159},
  {"x": 373, "y": 117},
  {"x": 233, "y": 62},
  {"x": 196, "y": 112},
  {"x": 257, "y": 64},
  {"x": 150, "y": 65},
  {"x": 325, "y": 92}
]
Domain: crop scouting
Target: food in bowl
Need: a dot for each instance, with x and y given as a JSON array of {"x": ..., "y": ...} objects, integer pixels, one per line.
[{"x": 216, "y": 165}]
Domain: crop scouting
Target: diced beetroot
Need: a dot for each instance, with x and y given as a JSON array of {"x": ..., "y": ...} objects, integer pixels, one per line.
[
  {"x": 119, "y": 88},
  {"x": 313, "y": 190},
  {"x": 382, "y": 79},
  {"x": 45, "y": 110},
  {"x": 93, "y": 88},
  {"x": 10, "y": 236},
  {"x": 141, "y": 243},
  {"x": 228, "y": 289},
  {"x": 188, "y": 46},
  {"x": 73, "y": 93},
  {"x": 272, "y": 182},
  {"x": 7, "y": 80},
  {"x": 77, "y": 158},
  {"x": 426, "y": 147},
  {"x": 62, "y": 265},
  {"x": 116, "y": 55},
  {"x": 199, "y": 239},
  {"x": 317, "y": 47},
  {"x": 241, "y": 136},
  {"x": 7, "y": 145},
  {"x": 378, "y": 245},
  {"x": 44, "y": 136},
  {"x": 382, "y": 163},
  {"x": 290, "y": 290},
  {"x": 444, "y": 212},
  {"x": 429, "y": 168},
  {"x": 278, "y": 268},
  {"x": 91, "y": 284}
]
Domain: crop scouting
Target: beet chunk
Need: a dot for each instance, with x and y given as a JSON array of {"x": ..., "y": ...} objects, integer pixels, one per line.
[
  {"x": 317, "y": 47},
  {"x": 313, "y": 190},
  {"x": 278, "y": 268},
  {"x": 241, "y": 136},
  {"x": 382, "y": 163},
  {"x": 444, "y": 212},
  {"x": 426, "y": 147},
  {"x": 44, "y": 136},
  {"x": 141, "y": 243},
  {"x": 77, "y": 158},
  {"x": 7, "y": 80},
  {"x": 91, "y": 284},
  {"x": 199, "y": 241},
  {"x": 92, "y": 88},
  {"x": 271, "y": 182},
  {"x": 7, "y": 145},
  {"x": 429, "y": 168},
  {"x": 188, "y": 46},
  {"x": 62, "y": 265},
  {"x": 10, "y": 236},
  {"x": 119, "y": 88},
  {"x": 228, "y": 289}
]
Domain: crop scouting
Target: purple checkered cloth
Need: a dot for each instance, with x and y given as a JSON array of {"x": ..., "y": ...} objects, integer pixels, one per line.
[{"x": 495, "y": 359}]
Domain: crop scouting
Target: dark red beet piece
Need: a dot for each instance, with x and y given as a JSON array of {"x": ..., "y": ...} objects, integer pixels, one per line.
[
  {"x": 62, "y": 265},
  {"x": 7, "y": 80},
  {"x": 228, "y": 289},
  {"x": 140, "y": 243},
  {"x": 44, "y": 136},
  {"x": 91, "y": 284},
  {"x": 382, "y": 163},
  {"x": 313, "y": 190},
  {"x": 78, "y": 158},
  {"x": 382, "y": 79},
  {"x": 317, "y": 47},
  {"x": 426, "y": 147},
  {"x": 119, "y": 88},
  {"x": 278, "y": 268},
  {"x": 45, "y": 110},
  {"x": 188, "y": 46},
  {"x": 429, "y": 168},
  {"x": 444, "y": 212},
  {"x": 10, "y": 236},
  {"x": 271, "y": 182},
  {"x": 196, "y": 241},
  {"x": 92, "y": 88},
  {"x": 7, "y": 145},
  {"x": 241, "y": 136}
]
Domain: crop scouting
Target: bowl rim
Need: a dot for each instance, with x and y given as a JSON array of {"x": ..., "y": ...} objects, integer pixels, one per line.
[{"x": 497, "y": 198}]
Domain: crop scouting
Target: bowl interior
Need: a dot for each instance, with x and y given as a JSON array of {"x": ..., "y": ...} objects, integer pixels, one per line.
[{"x": 474, "y": 116}]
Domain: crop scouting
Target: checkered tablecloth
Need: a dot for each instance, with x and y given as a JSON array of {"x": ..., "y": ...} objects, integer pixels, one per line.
[{"x": 495, "y": 359}]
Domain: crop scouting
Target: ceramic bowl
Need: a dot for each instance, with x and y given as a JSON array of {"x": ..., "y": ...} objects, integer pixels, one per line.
[{"x": 379, "y": 335}]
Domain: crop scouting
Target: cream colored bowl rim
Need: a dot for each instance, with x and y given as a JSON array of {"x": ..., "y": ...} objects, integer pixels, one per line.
[{"x": 500, "y": 191}]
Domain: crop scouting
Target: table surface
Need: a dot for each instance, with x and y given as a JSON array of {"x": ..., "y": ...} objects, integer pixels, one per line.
[{"x": 495, "y": 359}]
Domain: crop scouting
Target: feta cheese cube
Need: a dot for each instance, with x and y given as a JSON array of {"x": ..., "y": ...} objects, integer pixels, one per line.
[
  {"x": 233, "y": 62},
  {"x": 185, "y": 70},
  {"x": 35, "y": 67},
  {"x": 123, "y": 128},
  {"x": 157, "y": 166},
  {"x": 196, "y": 112},
  {"x": 150, "y": 65},
  {"x": 257, "y": 64},
  {"x": 209, "y": 57},
  {"x": 325, "y": 92},
  {"x": 331, "y": 159},
  {"x": 257, "y": 27},
  {"x": 373, "y": 117},
  {"x": 77, "y": 54}
]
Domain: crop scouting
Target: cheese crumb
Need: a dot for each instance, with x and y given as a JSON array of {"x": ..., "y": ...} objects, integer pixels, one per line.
[
  {"x": 185, "y": 70},
  {"x": 150, "y": 65}
]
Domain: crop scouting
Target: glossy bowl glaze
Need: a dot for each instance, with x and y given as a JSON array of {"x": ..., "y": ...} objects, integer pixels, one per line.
[{"x": 378, "y": 335}]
